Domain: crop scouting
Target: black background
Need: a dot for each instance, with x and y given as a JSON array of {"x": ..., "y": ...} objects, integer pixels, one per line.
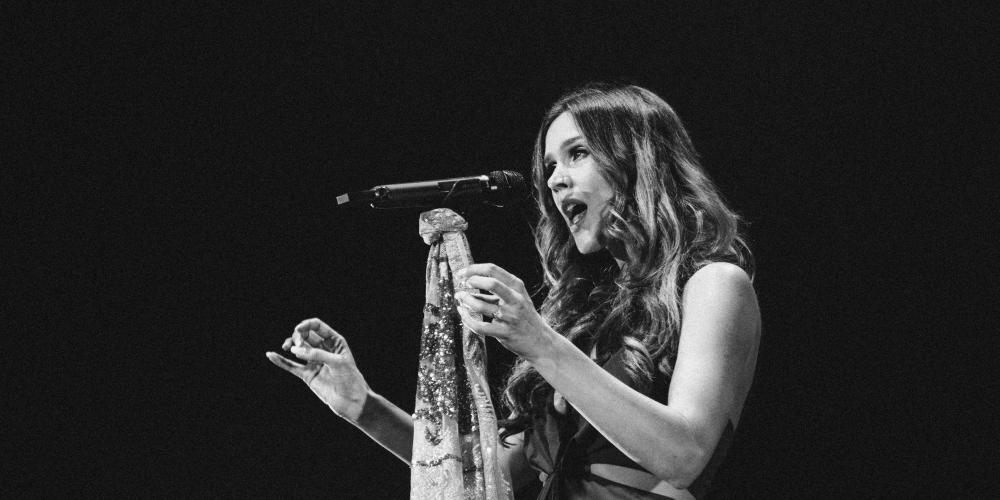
[{"x": 172, "y": 217}]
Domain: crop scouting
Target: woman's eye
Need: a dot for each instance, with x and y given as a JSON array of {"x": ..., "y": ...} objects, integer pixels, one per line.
[
  {"x": 577, "y": 153},
  {"x": 549, "y": 168}
]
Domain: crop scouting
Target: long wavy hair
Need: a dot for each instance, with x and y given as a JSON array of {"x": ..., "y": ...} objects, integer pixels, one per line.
[{"x": 666, "y": 220}]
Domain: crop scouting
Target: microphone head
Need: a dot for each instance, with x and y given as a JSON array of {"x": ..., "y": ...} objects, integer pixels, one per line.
[{"x": 511, "y": 188}]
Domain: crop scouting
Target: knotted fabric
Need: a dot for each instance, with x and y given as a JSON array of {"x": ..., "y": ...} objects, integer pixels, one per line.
[{"x": 454, "y": 425}]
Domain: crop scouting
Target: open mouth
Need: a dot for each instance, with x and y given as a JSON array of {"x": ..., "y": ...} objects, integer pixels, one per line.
[{"x": 574, "y": 211}]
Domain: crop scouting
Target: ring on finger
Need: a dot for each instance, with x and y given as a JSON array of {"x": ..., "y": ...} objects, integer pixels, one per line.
[{"x": 498, "y": 314}]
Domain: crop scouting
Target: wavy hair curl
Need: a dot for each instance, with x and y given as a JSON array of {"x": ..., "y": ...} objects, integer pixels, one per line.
[{"x": 666, "y": 220}]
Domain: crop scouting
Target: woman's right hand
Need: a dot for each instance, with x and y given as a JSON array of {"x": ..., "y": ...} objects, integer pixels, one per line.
[{"x": 329, "y": 370}]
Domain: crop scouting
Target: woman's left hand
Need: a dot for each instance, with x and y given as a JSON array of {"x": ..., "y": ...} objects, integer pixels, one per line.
[{"x": 515, "y": 322}]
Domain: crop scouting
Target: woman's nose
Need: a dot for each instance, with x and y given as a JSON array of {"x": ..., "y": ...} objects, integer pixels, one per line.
[{"x": 558, "y": 180}]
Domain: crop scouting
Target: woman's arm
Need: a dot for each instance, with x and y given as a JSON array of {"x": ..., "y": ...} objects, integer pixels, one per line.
[
  {"x": 715, "y": 364},
  {"x": 331, "y": 373},
  {"x": 712, "y": 375},
  {"x": 387, "y": 425}
]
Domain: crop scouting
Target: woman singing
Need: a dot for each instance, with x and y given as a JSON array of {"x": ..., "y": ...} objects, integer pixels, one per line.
[{"x": 631, "y": 379}]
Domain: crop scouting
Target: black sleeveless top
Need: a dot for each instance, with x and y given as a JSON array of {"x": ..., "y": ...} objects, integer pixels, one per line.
[{"x": 563, "y": 447}]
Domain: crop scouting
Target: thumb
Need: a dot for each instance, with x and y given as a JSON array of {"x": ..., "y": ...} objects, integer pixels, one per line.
[{"x": 297, "y": 369}]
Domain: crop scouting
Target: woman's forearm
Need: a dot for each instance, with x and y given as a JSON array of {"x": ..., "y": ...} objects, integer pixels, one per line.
[{"x": 388, "y": 425}]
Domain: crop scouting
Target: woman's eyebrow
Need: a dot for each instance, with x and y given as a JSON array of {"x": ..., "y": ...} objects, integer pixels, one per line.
[
  {"x": 569, "y": 141},
  {"x": 564, "y": 145}
]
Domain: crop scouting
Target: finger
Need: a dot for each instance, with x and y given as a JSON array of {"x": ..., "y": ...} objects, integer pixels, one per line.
[
  {"x": 495, "y": 286},
  {"x": 488, "y": 270},
  {"x": 492, "y": 299},
  {"x": 313, "y": 338},
  {"x": 286, "y": 364},
  {"x": 334, "y": 344},
  {"x": 318, "y": 327},
  {"x": 314, "y": 325},
  {"x": 337, "y": 345},
  {"x": 307, "y": 353},
  {"x": 478, "y": 305},
  {"x": 287, "y": 344},
  {"x": 484, "y": 297},
  {"x": 493, "y": 271},
  {"x": 482, "y": 327},
  {"x": 308, "y": 324},
  {"x": 326, "y": 332},
  {"x": 307, "y": 338}
]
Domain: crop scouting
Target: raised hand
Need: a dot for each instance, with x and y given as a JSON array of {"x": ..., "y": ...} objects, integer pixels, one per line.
[
  {"x": 515, "y": 322},
  {"x": 329, "y": 369}
]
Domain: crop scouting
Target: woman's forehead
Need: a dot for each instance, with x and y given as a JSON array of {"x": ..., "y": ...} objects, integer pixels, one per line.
[
  {"x": 563, "y": 126},
  {"x": 561, "y": 132}
]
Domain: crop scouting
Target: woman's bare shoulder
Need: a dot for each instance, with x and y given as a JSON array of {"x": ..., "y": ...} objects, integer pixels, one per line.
[
  {"x": 719, "y": 274},
  {"x": 721, "y": 289}
]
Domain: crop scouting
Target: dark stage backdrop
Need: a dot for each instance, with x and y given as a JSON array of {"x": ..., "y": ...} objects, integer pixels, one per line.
[{"x": 172, "y": 217}]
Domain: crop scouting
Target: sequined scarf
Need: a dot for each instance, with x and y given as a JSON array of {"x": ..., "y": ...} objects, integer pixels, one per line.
[{"x": 454, "y": 426}]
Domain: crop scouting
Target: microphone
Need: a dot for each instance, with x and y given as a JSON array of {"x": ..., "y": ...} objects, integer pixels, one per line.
[{"x": 498, "y": 188}]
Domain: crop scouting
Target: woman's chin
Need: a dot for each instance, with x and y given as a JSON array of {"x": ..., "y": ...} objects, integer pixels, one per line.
[{"x": 586, "y": 245}]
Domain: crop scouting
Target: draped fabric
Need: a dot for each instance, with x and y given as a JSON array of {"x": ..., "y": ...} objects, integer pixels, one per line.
[{"x": 454, "y": 424}]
